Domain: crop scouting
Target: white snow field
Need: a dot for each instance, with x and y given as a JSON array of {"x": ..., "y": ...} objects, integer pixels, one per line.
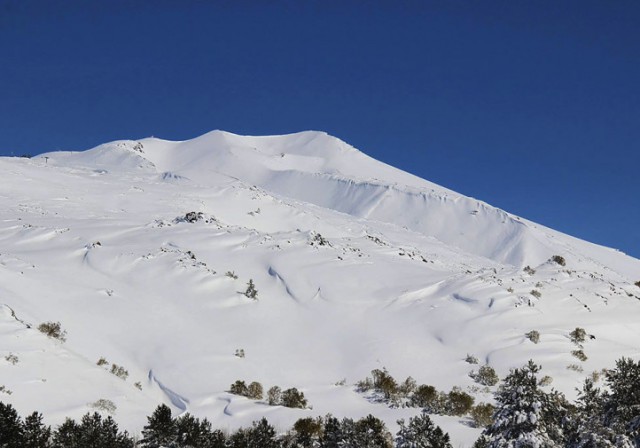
[{"x": 358, "y": 266}]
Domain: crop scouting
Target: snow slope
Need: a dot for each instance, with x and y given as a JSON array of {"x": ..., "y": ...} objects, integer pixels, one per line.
[{"x": 358, "y": 266}]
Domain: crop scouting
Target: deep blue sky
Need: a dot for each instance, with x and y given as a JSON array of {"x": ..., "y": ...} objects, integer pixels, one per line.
[{"x": 532, "y": 106}]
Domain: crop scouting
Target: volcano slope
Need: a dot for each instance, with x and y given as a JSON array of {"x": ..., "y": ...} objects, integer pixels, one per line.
[{"x": 143, "y": 250}]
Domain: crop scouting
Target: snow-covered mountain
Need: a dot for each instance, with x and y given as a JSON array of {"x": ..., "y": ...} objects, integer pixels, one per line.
[{"x": 358, "y": 266}]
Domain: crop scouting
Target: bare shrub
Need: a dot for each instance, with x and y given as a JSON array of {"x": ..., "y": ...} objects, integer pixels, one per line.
[
  {"x": 471, "y": 359},
  {"x": 575, "y": 368},
  {"x": 578, "y": 336},
  {"x": 580, "y": 355},
  {"x": 53, "y": 330},
  {"x": 533, "y": 336},
  {"x": 104, "y": 405},
  {"x": 535, "y": 293},
  {"x": 119, "y": 371},
  {"x": 482, "y": 414}
]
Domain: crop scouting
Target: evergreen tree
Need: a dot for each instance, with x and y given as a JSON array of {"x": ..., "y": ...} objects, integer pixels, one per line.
[
  {"x": 67, "y": 435},
  {"x": 36, "y": 434},
  {"x": 161, "y": 429},
  {"x": 622, "y": 405},
  {"x": 611, "y": 418},
  {"x": 332, "y": 434},
  {"x": 10, "y": 427},
  {"x": 525, "y": 417},
  {"x": 262, "y": 435},
  {"x": 293, "y": 398},
  {"x": 239, "y": 439},
  {"x": 371, "y": 432},
  {"x": 92, "y": 432},
  {"x": 307, "y": 432},
  {"x": 421, "y": 432}
]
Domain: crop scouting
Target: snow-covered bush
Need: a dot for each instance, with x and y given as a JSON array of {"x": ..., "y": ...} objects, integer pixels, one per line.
[
  {"x": 575, "y": 368},
  {"x": 407, "y": 387},
  {"x": 580, "y": 355},
  {"x": 486, "y": 376},
  {"x": 104, "y": 405},
  {"x": 274, "y": 396},
  {"x": 578, "y": 336},
  {"x": 239, "y": 388},
  {"x": 384, "y": 383},
  {"x": 471, "y": 359},
  {"x": 119, "y": 371},
  {"x": 293, "y": 398},
  {"x": 482, "y": 414},
  {"x": 255, "y": 391},
  {"x": 529, "y": 270},
  {"x": 53, "y": 330},
  {"x": 364, "y": 385},
  {"x": 458, "y": 402},
  {"x": 535, "y": 293},
  {"x": 533, "y": 336},
  {"x": 11, "y": 358},
  {"x": 424, "y": 396},
  {"x": 559, "y": 260}
]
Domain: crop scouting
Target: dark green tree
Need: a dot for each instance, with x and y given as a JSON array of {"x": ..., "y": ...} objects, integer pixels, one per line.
[
  {"x": 525, "y": 415},
  {"x": 421, "y": 432},
  {"x": 92, "y": 432},
  {"x": 262, "y": 435},
  {"x": 307, "y": 432},
  {"x": 36, "y": 434},
  {"x": 10, "y": 427},
  {"x": 371, "y": 432},
  {"x": 293, "y": 398},
  {"x": 161, "y": 429}
]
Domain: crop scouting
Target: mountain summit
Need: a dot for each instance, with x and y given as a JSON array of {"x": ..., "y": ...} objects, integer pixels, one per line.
[{"x": 175, "y": 269}]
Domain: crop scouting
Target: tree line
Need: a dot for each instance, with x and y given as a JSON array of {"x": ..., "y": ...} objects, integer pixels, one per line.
[{"x": 525, "y": 416}]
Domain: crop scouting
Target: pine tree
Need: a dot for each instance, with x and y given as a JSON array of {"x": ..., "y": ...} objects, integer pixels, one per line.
[
  {"x": 36, "y": 434},
  {"x": 67, "y": 435},
  {"x": 622, "y": 406},
  {"x": 10, "y": 427},
  {"x": 371, "y": 432},
  {"x": 332, "y": 434},
  {"x": 526, "y": 417},
  {"x": 161, "y": 430},
  {"x": 611, "y": 418},
  {"x": 307, "y": 432},
  {"x": 421, "y": 432},
  {"x": 262, "y": 435},
  {"x": 92, "y": 432}
]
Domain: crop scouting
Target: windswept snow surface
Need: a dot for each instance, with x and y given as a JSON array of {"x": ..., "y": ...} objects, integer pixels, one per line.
[{"x": 358, "y": 266}]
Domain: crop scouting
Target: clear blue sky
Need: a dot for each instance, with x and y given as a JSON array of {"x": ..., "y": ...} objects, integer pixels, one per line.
[{"x": 532, "y": 106}]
